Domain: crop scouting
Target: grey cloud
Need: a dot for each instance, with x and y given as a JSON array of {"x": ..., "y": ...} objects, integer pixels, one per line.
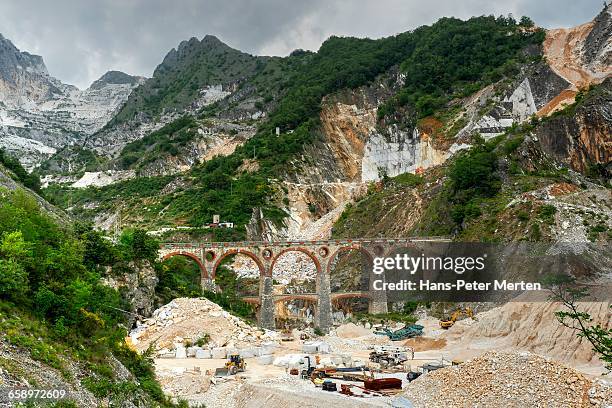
[{"x": 80, "y": 40}]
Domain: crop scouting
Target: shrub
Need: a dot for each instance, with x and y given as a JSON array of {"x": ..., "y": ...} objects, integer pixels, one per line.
[
  {"x": 203, "y": 340},
  {"x": 475, "y": 171},
  {"x": 523, "y": 215},
  {"x": 31, "y": 181},
  {"x": 547, "y": 213}
]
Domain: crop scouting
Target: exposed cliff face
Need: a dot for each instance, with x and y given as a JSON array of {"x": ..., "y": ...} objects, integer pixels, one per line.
[
  {"x": 581, "y": 55},
  {"x": 346, "y": 129},
  {"x": 581, "y": 138},
  {"x": 214, "y": 137},
  {"x": 365, "y": 149},
  {"x": 358, "y": 148},
  {"x": 39, "y": 114},
  {"x": 137, "y": 287},
  {"x": 260, "y": 228}
]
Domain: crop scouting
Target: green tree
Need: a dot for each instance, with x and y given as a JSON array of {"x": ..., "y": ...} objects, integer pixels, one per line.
[
  {"x": 565, "y": 289},
  {"x": 14, "y": 282},
  {"x": 526, "y": 22},
  {"x": 139, "y": 244}
]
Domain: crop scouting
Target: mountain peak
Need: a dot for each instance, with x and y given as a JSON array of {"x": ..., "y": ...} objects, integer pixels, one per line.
[
  {"x": 13, "y": 60},
  {"x": 114, "y": 77},
  {"x": 212, "y": 40},
  {"x": 188, "y": 48},
  {"x": 209, "y": 42}
]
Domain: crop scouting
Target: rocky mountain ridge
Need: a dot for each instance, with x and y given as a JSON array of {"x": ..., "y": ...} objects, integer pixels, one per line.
[
  {"x": 192, "y": 76},
  {"x": 40, "y": 114},
  {"x": 207, "y": 101}
]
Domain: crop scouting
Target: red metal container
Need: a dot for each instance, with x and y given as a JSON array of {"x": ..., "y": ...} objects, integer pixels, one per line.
[{"x": 376, "y": 384}]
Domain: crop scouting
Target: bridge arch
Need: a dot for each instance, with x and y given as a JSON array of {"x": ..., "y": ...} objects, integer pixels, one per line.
[
  {"x": 303, "y": 250},
  {"x": 342, "y": 300},
  {"x": 203, "y": 271},
  {"x": 350, "y": 295},
  {"x": 253, "y": 256},
  {"x": 345, "y": 249}
]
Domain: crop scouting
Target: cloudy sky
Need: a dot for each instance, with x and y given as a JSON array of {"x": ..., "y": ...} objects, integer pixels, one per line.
[{"x": 81, "y": 39}]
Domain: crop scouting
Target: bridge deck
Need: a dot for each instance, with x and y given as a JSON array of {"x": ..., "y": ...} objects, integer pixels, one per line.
[{"x": 304, "y": 242}]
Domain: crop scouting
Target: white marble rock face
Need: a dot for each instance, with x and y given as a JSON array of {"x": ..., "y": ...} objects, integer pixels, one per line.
[{"x": 40, "y": 114}]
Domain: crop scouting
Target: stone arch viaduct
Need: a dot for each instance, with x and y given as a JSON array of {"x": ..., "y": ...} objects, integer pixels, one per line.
[{"x": 209, "y": 255}]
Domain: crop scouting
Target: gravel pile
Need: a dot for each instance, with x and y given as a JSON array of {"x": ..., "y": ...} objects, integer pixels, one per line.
[
  {"x": 176, "y": 326},
  {"x": 183, "y": 382},
  {"x": 351, "y": 331},
  {"x": 508, "y": 380}
]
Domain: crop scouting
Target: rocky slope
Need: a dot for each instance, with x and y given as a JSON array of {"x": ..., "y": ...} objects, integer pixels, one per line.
[
  {"x": 9, "y": 182},
  {"x": 580, "y": 137},
  {"x": 532, "y": 326},
  {"x": 363, "y": 150},
  {"x": 192, "y": 76},
  {"x": 511, "y": 380},
  {"x": 39, "y": 114},
  {"x": 208, "y": 100}
]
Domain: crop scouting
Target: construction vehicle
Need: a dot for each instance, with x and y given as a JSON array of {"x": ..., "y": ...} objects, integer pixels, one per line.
[
  {"x": 306, "y": 372},
  {"x": 406, "y": 332},
  {"x": 450, "y": 321},
  {"x": 429, "y": 367},
  {"x": 389, "y": 356},
  {"x": 234, "y": 365}
]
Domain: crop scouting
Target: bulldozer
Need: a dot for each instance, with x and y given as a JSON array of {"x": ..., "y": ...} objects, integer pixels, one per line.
[
  {"x": 450, "y": 321},
  {"x": 234, "y": 365}
]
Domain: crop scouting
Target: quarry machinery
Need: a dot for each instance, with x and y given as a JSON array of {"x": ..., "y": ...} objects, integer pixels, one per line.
[
  {"x": 307, "y": 372},
  {"x": 234, "y": 364},
  {"x": 389, "y": 356},
  {"x": 449, "y": 322},
  {"x": 406, "y": 332}
]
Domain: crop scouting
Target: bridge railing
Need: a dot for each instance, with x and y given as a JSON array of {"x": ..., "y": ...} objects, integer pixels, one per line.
[{"x": 292, "y": 243}]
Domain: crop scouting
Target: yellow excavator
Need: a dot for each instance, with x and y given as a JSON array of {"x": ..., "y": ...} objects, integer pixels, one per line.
[{"x": 448, "y": 322}]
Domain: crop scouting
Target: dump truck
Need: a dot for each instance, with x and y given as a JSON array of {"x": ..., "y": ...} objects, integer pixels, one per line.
[
  {"x": 448, "y": 322},
  {"x": 406, "y": 332},
  {"x": 234, "y": 364}
]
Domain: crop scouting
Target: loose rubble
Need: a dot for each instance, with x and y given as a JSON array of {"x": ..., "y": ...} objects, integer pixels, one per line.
[
  {"x": 510, "y": 380},
  {"x": 175, "y": 329},
  {"x": 186, "y": 367}
]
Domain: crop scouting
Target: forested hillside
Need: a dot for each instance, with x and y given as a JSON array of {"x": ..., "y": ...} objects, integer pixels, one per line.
[
  {"x": 56, "y": 311},
  {"x": 448, "y": 60}
]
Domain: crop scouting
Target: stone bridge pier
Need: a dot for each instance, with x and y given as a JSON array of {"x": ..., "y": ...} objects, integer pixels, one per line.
[{"x": 209, "y": 255}]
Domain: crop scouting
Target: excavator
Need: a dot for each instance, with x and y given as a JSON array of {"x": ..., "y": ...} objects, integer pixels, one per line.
[{"x": 449, "y": 322}]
